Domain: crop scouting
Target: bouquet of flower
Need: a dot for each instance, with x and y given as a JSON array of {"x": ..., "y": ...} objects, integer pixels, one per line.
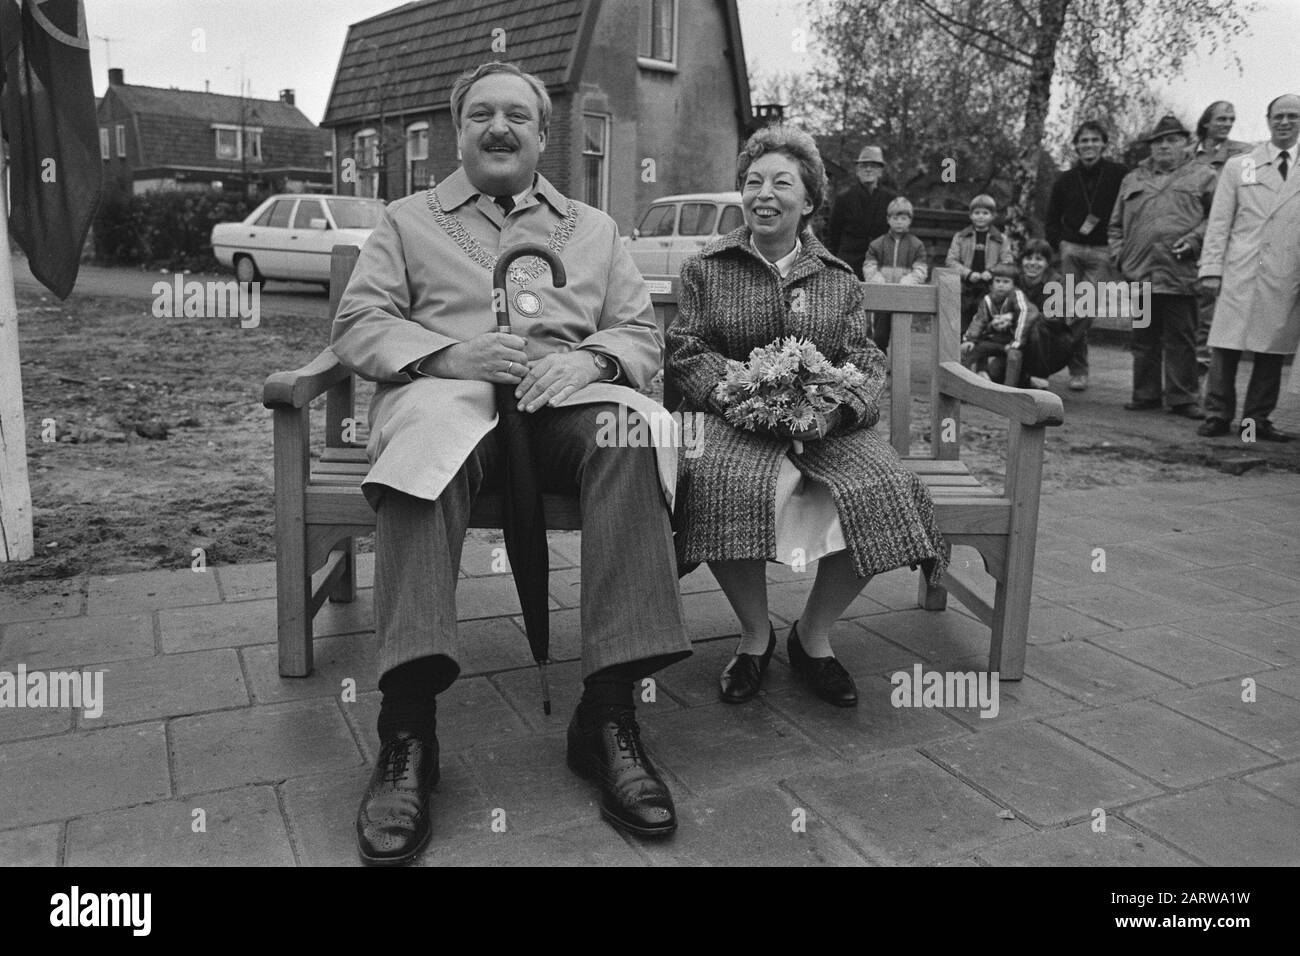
[{"x": 784, "y": 386}]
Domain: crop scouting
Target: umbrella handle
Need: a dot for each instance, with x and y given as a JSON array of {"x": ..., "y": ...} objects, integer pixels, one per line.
[{"x": 500, "y": 303}]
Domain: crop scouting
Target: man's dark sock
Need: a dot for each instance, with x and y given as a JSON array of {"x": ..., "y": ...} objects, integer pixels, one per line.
[
  {"x": 410, "y": 701},
  {"x": 608, "y": 689}
]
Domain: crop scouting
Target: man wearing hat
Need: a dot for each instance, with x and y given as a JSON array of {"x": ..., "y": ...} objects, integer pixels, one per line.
[
  {"x": 859, "y": 213},
  {"x": 1156, "y": 231}
]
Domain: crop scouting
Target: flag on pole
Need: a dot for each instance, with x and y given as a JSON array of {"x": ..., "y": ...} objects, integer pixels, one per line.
[{"x": 47, "y": 105}]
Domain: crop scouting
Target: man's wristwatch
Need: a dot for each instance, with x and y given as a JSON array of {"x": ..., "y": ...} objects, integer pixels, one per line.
[{"x": 604, "y": 365}]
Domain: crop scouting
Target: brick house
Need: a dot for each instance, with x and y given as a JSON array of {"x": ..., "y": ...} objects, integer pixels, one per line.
[
  {"x": 650, "y": 97},
  {"x": 151, "y": 138}
]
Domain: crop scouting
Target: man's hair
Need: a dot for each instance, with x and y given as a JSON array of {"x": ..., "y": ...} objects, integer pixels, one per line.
[
  {"x": 796, "y": 144},
  {"x": 1004, "y": 270},
  {"x": 1037, "y": 247},
  {"x": 1095, "y": 127},
  {"x": 898, "y": 204},
  {"x": 460, "y": 89},
  {"x": 1203, "y": 124},
  {"x": 1268, "y": 110},
  {"x": 984, "y": 201}
]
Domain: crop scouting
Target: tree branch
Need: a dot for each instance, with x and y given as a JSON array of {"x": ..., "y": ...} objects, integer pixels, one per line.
[{"x": 939, "y": 16}]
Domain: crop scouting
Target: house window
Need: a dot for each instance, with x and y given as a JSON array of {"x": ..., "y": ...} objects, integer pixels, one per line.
[
  {"x": 417, "y": 157},
  {"x": 253, "y": 144},
  {"x": 236, "y": 141},
  {"x": 104, "y": 151},
  {"x": 595, "y": 155},
  {"x": 365, "y": 148},
  {"x": 227, "y": 143},
  {"x": 121, "y": 140},
  {"x": 658, "y": 34}
]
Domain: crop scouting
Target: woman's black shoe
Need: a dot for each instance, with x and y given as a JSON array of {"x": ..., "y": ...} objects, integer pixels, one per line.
[
  {"x": 825, "y": 675},
  {"x": 743, "y": 675}
]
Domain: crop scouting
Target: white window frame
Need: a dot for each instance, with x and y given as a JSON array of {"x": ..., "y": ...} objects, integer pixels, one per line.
[
  {"x": 121, "y": 141},
  {"x": 604, "y": 118},
  {"x": 652, "y": 62},
  {"x": 105, "y": 148},
  {"x": 246, "y": 137},
  {"x": 252, "y": 136},
  {"x": 411, "y": 158},
  {"x": 367, "y": 172}
]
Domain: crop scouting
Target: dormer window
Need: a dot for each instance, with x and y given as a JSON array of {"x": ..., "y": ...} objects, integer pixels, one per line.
[{"x": 236, "y": 141}]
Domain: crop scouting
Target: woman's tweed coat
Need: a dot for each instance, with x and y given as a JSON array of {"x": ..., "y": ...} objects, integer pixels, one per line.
[{"x": 731, "y": 302}]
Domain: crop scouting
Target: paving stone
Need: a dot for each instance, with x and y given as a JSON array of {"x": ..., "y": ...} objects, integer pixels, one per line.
[
  {"x": 148, "y": 590},
  {"x": 1270, "y": 723},
  {"x": 566, "y": 587},
  {"x": 350, "y": 618},
  {"x": 501, "y": 643},
  {"x": 1065, "y": 568},
  {"x": 484, "y": 553},
  {"x": 260, "y": 745},
  {"x": 76, "y": 641},
  {"x": 1177, "y": 654},
  {"x": 365, "y": 573},
  {"x": 1079, "y": 845},
  {"x": 1160, "y": 744},
  {"x": 566, "y": 545},
  {"x": 708, "y": 614},
  {"x": 581, "y": 844},
  {"x": 41, "y": 607},
  {"x": 48, "y": 779},
  {"x": 1122, "y": 607},
  {"x": 353, "y": 656},
  {"x": 1286, "y": 613},
  {"x": 1267, "y": 511},
  {"x": 1051, "y": 622},
  {"x": 1256, "y": 635},
  {"x": 934, "y": 636},
  {"x": 1093, "y": 675},
  {"x": 245, "y": 582},
  {"x": 787, "y": 601},
  {"x": 523, "y": 689},
  {"x": 754, "y": 826},
  {"x": 701, "y": 579},
  {"x": 1247, "y": 537},
  {"x": 1018, "y": 700},
  {"x": 1284, "y": 681},
  {"x": 861, "y": 650},
  {"x": 1225, "y": 824},
  {"x": 1038, "y": 772},
  {"x": 725, "y": 745},
  {"x": 875, "y": 724},
  {"x": 242, "y": 828},
  {"x": 1259, "y": 584},
  {"x": 471, "y": 713},
  {"x": 1282, "y": 782},
  {"x": 488, "y": 597},
  {"x": 168, "y": 686},
  {"x": 19, "y": 722},
  {"x": 905, "y": 811},
  {"x": 322, "y": 812},
  {"x": 1202, "y": 548},
  {"x": 235, "y": 624},
  {"x": 694, "y": 681},
  {"x": 1200, "y": 596},
  {"x": 778, "y": 573},
  {"x": 31, "y": 846},
  {"x": 895, "y": 589},
  {"x": 529, "y": 779},
  {"x": 1105, "y": 532}
]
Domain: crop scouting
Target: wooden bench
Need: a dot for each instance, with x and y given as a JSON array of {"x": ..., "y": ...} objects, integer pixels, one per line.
[{"x": 320, "y": 511}]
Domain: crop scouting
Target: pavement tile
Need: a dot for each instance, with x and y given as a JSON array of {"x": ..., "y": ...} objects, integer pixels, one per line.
[
  {"x": 1256, "y": 635},
  {"x": 1270, "y": 723},
  {"x": 1251, "y": 538},
  {"x": 1267, "y": 510},
  {"x": 170, "y": 685},
  {"x": 1018, "y": 700},
  {"x": 365, "y": 572},
  {"x": 778, "y": 573},
  {"x": 1225, "y": 824},
  {"x": 1177, "y": 654},
  {"x": 512, "y": 774},
  {"x": 1091, "y": 674},
  {"x": 724, "y": 745},
  {"x": 905, "y": 811},
  {"x": 1072, "y": 568},
  {"x": 1286, "y": 613},
  {"x": 1256, "y": 583},
  {"x": 895, "y": 589},
  {"x": 1040, "y": 773},
  {"x": 1051, "y": 622},
  {"x": 148, "y": 590},
  {"x": 241, "y": 828},
  {"x": 566, "y": 587},
  {"x": 1284, "y": 681},
  {"x": 31, "y": 846},
  {"x": 935, "y": 636},
  {"x": 1129, "y": 562},
  {"x": 484, "y": 553},
  {"x": 1158, "y": 743},
  {"x": 47, "y": 779},
  {"x": 77, "y": 641},
  {"x": 335, "y": 659},
  {"x": 42, "y": 607},
  {"x": 500, "y": 643},
  {"x": 701, "y": 579},
  {"x": 1201, "y": 548},
  {"x": 591, "y": 843},
  {"x": 1079, "y": 845},
  {"x": 787, "y": 601},
  {"x": 694, "y": 681},
  {"x": 493, "y": 596},
  {"x": 471, "y": 713},
  {"x": 260, "y": 744},
  {"x": 1282, "y": 782},
  {"x": 225, "y": 625},
  {"x": 754, "y": 826},
  {"x": 523, "y": 689},
  {"x": 567, "y": 546},
  {"x": 1198, "y": 595},
  {"x": 1122, "y": 607},
  {"x": 245, "y": 582},
  {"x": 872, "y": 726},
  {"x": 861, "y": 650},
  {"x": 322, "y": 812},
  {"x": 708, "y": 614},
  {"x": 345, "y": 618},
  {"x": 19, "y": 722}
]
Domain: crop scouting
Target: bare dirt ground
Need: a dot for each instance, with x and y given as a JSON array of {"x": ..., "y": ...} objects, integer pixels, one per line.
[{"x": 107, "y": 499}]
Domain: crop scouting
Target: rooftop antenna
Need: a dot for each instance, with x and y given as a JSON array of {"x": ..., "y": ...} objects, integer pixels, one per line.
[{"x": 108, "y": 53}]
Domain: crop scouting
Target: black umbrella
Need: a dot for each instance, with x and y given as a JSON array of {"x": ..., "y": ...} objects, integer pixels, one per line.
[{"x": 523, "y": 520}]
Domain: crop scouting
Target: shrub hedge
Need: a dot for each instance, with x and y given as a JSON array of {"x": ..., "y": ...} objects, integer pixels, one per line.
[{"x": 169, "y": 230}]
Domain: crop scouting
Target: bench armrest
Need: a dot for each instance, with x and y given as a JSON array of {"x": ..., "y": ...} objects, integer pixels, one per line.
[
  {"x": 1028, "y": 406},
  {"x": 297, "y": 388}
]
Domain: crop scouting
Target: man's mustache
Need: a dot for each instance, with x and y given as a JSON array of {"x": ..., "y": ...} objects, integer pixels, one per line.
[{"x": 489, "y": 142}]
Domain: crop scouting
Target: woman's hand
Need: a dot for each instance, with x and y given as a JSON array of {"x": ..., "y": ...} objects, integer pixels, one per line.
[{"x": 822, "y": 426}]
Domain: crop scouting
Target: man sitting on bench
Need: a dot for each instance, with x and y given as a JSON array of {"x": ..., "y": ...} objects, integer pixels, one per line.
[{"x": 413, "y": 319}]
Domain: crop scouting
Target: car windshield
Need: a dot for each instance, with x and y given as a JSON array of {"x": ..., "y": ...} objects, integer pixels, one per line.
[{"x": 356, "y": 213}]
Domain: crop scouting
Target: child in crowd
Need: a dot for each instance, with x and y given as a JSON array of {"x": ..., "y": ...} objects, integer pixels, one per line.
[
  {"x": 1002, "y": 320},
  {"x": 974, "y": 252},
  {"x": 897, "y": 256}
]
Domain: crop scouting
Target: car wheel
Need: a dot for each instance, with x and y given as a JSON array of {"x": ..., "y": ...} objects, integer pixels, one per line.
[{"x": 246, "y": 269}]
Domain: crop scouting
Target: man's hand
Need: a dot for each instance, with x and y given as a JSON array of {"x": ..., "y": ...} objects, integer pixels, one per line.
[
  {"x": 1210, "y": 284},
  {"x": 967, "y": 346},
  {"x": 496, "y": 357},
  {"x": 553, "y": 378}
]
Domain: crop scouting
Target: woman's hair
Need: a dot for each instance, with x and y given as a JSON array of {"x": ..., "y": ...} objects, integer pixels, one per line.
[
  {"x": 899, "y": 204},
  {"x": 1037, "y": 247},
  {"x": 1203, "y": 124},
  {"x": 800, "y": 147},
  {"x": 460, "y": 89}
]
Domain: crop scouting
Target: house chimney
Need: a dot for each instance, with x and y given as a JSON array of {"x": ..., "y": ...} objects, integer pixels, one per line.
[
  {"x": 286, "y": 97},
  {"x": 115, "y": 77}
]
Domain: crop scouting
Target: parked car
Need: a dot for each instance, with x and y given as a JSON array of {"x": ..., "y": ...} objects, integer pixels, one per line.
[
  {"x": 676, "y": 227},
  {"x": 290, "y": 236}
]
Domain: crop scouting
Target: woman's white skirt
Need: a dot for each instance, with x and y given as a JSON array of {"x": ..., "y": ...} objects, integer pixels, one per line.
[{"x": 807, "y": 522}]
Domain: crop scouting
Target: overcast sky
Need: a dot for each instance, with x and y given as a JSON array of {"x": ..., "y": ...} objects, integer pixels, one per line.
[{"x": 278, "y": 44}]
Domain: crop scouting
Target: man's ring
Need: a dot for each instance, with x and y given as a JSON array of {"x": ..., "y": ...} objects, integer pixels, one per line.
[{"x": 509, "y": 366}]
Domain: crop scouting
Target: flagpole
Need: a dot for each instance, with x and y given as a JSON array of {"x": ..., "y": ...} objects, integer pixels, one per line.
[{"x": 16, "y": 541}]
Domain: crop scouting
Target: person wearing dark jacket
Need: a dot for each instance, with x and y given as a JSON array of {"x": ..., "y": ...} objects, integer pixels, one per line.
[
  {"x": 1077, "y": 213},
  {"x": 1050, "y": 341},
  {"x": 859, "y": 214}
]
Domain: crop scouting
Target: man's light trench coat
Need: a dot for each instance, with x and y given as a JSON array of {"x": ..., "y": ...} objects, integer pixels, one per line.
[{"x": 416, "y": 290}]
